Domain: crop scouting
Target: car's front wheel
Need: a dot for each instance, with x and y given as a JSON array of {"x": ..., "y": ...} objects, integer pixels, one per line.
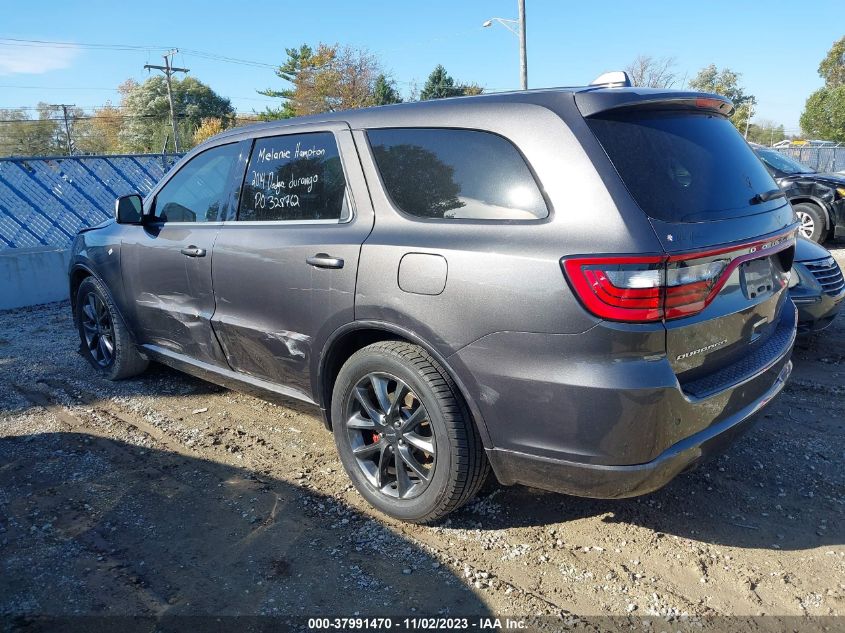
[
  {"x": 811, "y": 220},
  {"x": 404, "y": 435},
  {"x": 106, "y": 342}
]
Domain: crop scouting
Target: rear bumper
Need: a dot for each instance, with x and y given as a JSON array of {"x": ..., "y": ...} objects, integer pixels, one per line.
[
  {"x": 611, "y": 482},
  {"x": 596, "y": 415}
]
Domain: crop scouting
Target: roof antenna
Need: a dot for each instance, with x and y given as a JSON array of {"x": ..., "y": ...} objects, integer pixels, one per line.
[{"x": 613, "y": 79}]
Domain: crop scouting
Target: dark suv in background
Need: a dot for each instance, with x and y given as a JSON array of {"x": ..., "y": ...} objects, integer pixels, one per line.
[
  {"x": 582, "y": 288},
  {"x": 818, "y": 199}
]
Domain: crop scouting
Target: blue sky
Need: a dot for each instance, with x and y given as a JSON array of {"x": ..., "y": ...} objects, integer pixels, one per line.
[{"x": 772, "y": 44}]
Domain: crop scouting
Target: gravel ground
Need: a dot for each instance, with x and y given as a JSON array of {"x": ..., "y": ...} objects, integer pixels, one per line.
[{"x": 167, "y": 495}]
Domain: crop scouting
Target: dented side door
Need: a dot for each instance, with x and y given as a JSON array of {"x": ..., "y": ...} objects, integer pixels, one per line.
[{"x": 282, "y": 286}]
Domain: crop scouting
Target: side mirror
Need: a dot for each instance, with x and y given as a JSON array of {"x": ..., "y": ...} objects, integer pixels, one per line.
[{"x": 128, "y": 209}]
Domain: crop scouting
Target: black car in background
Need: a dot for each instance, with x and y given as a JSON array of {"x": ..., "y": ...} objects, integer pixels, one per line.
[
  {"x": 818, "y": 199},
  {"x": 816, "y": 286}
]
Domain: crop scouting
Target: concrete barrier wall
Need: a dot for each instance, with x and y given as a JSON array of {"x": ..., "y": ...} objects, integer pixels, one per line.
[{"x": 31, "y": 276}]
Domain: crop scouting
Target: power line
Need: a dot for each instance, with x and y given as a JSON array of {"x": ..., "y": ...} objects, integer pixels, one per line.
[
  {"x": 14, "y": 41},
  {"x": 11, "y": 41},
  {"x": 180, "y": 117},
  {"x": 120, "y": 106},
  {"x": 57, "y": 88}
]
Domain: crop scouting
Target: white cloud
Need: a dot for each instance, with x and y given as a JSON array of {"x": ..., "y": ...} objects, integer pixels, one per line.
[{"x": 35, "y": 60}]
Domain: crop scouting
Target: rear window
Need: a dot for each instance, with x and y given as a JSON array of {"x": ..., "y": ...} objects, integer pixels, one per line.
[
  {"x": 683, "y": 167},
  {"x": 456, "y": 174}
]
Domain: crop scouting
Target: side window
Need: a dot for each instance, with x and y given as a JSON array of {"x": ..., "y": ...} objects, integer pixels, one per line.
[
  {"x": 198, "y": 191},
  {"x": 456, "y": 174},
  {"x": 294, "y": 177}
]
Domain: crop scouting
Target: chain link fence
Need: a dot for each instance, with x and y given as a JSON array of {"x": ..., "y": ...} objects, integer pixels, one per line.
[{"x": 820, "y": 159}]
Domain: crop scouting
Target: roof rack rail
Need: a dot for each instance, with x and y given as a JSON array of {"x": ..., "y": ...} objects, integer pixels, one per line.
[{"x": 613, "y": 79}]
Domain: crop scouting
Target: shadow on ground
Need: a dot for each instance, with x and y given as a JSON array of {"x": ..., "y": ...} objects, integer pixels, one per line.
[
  {"x": 90, "y": 525},
  {"x": 776, "y": 488}
]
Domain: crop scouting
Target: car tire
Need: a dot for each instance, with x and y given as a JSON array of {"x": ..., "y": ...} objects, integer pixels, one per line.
[
  {"x": 372, "y": 432},
  {"x": 105, "y": 340},
  {"x": 812, "y": 221}
]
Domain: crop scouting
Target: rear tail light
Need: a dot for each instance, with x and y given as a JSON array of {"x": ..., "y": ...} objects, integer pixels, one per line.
[
  {"x": 713, "y": 104},
  {"x": 688, "y": 289},
  {"x": 654, "y": 288},
  {"x": 619, "y": 289}
]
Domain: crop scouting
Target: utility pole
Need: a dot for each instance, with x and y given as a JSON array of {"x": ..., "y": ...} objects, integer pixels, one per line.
[
  {"x": 64, "y": 107},
  {"x": 523, "y": 61},
  {"x": 750, "y": 114},
  {"x": 168, "y": 71},
  {"x": 517, "y": 27}
]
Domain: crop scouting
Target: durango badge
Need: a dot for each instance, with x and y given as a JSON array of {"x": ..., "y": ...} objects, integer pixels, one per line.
[{"x": 701, "y": 350}]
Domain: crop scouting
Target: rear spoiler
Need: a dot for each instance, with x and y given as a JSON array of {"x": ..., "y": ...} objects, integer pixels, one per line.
[{"x": 602, "y": 99}]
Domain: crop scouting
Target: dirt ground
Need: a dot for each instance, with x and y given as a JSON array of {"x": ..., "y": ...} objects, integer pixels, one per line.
[{"x": 167, "y": 495}]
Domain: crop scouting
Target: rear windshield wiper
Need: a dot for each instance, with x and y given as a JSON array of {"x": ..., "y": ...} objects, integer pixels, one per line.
[{"x": 768, "y": 195}]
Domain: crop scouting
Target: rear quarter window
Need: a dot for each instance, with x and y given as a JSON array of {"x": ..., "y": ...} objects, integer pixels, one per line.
[
  {"x": 456, "y": 174},
  {"x": 682, "y": 166}
]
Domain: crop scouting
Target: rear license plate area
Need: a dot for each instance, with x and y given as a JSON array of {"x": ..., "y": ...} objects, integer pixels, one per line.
[{"x": 757, "y": 278}]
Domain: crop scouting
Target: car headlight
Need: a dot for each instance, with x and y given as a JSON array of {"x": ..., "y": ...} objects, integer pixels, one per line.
[
  {"x": 794, "y": 278},
  {"x": 840, "y": 191}
]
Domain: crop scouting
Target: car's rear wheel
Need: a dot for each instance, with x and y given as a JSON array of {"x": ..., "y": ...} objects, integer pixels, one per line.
[
  {"x": 812, "y": 221},
  {"x": 404, "y": 435},
  {"x": 106, "y": 342}
]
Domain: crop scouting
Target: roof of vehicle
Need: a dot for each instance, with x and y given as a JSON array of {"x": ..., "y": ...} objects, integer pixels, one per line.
[{"x": 595, "y": 98}]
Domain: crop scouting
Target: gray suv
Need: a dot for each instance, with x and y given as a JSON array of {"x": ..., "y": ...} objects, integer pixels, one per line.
[{"x": 584, "y": 289}]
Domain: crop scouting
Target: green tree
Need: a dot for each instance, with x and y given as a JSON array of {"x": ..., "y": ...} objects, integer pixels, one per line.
[
  {"x": 147, "y": 112},
  {"x": 766, "y": 132},
  {"x": 832, "y": 68},
  {"x": 299, "y": 60},
  {"x": 99, "y": 133},
  {"x": 440, "y": 85},
  {"x": 21, "y": 135},
  {"x": 384, "y": 91},
  {"x": 725, "y": 82},
  {"x": 328, "y": 79},
  {"x": 824, "y": 112},
  {"x": 470, "y": 89}
]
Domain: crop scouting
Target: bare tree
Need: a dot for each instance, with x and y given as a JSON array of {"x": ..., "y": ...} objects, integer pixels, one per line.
[{"x": 652, "y": 72}]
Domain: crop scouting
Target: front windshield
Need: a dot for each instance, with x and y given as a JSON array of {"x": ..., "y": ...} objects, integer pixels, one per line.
[{"x": 782, "y": 162}]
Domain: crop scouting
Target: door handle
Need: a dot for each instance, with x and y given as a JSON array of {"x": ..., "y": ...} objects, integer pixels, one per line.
[
  {"x": 193, "y": 251},
  {"x": 321, "y": 260}
]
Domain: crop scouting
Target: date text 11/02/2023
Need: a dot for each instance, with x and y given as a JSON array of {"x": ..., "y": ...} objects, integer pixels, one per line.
[{"x": 417, "y": 623}]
